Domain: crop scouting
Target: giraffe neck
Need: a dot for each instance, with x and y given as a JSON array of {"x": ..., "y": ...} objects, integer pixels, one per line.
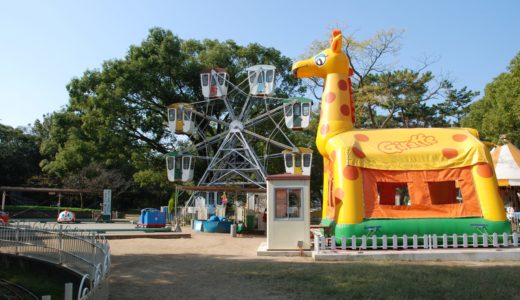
[{"x": 337, "y": 113}]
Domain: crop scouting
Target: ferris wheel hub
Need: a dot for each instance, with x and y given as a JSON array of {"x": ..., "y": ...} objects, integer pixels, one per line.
[{"x": 236, "y": 126}]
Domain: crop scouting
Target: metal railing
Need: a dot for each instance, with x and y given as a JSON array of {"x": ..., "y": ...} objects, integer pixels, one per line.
[
  {"x": 85, "y": 253},
  {"x": 427, "y": 241}
]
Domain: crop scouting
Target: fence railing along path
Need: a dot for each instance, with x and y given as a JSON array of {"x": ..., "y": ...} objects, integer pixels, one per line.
[{"x": 86, "y": 253}]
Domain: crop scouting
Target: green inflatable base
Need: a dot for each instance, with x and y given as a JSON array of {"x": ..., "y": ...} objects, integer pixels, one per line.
[{"x": 419, "y": 227}]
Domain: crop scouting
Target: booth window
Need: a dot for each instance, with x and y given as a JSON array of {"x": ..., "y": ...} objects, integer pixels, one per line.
[
  {"x": 393, "y": 193},
  {"x": 221, "y": 79},
  {"x": 444, "y": 192},
  {"x": 171, "y": 115},
  {"x": 288, "y": 203}
]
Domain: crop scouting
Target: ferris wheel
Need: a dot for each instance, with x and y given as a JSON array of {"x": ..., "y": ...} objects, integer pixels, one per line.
[{"x": 238, "y": 129}]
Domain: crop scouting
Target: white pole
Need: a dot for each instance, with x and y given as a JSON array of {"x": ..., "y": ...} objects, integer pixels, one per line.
[{"x": 3, "y": 200}]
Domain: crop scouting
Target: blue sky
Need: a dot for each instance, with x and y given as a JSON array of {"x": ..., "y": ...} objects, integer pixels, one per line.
[{"x": 43, "y": 44}]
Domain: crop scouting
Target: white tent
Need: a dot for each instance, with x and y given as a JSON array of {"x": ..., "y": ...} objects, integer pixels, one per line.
[{"x": 506, "y": 159}]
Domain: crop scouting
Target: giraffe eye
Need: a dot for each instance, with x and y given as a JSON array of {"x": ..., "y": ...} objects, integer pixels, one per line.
[{"x": 320, "y": 59}]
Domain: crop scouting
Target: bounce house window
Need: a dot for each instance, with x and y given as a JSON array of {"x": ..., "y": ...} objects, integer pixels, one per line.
[
  {"x": 443, "y": 192},
  {"x": 288, "y": 203},
  {"x": 393, "y": 193}
]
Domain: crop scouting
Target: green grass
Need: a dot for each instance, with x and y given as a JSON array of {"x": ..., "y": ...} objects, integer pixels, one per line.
[
  {"x": 383, "y": 280},
  {"x": 46, "y": 208}
]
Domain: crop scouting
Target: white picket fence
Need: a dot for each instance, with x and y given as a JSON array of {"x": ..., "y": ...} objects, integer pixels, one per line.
[{"x": 427, "y": 241}]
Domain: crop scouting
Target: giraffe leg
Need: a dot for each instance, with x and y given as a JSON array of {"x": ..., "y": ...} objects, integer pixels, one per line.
[
  {"x": 348, "y": 190},
  {"x": 326, "y": 195}
]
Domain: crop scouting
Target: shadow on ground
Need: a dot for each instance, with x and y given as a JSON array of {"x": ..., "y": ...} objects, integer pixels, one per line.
[{"x": 190, "y": 276}]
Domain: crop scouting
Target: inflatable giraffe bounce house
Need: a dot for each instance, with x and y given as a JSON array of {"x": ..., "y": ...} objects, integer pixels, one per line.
[{"x": 397, "y": 181}]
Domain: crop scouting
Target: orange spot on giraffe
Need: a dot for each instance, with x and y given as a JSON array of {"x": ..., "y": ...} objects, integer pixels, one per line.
[
  {"x": 358, "y": 152},
  {"x": 324, "y": 129},
  {"x": 330, "y": 97},
  {"x": 345, "y": 110},
  {"x": 342, "y": 84},
  {"x": 484, "y": 170},
  {"x": 459, "y": 137},
  {"x": 361, "y": 137},
  {"x": 449, "y": 153},
  {"x": 351, "y": 172}
]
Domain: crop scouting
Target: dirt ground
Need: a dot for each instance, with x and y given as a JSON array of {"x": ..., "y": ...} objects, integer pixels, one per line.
[
  {"x": 205, "y": 266},
  {"x": 191, "y": 268}
]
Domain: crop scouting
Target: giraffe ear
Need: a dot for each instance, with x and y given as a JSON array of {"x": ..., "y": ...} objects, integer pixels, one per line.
[{"x": 336, "y": 41}]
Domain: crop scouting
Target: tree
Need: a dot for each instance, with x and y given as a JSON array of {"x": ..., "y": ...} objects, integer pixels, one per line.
[
  {"x": 116, "y": 116},
  {"x": 19, "y": 156},
  {"x": 498, "y": 112},
  {"x": 389, "y": 97}
]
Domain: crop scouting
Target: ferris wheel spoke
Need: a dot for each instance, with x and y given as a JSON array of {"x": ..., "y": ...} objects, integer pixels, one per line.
[
  {"x": 211, "y": 140},
  {"x": 211, "y": 118},
  {"x": 262, "y": 117},
  {"x": 263, "y": 138}
]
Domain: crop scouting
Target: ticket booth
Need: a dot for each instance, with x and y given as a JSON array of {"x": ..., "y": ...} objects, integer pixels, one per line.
[{"x": 288, "y": 212}]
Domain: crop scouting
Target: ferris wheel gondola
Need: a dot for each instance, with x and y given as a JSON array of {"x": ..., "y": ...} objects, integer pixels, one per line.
[
  {"x": 180, "y": 118},
  {"x": 179, "y": 167},
  {"x": 214, "y": 82},
  {"x": 261, "y": 80},
  {"x": 298, "y": 161},
  {"x": 297, "y": 113}
]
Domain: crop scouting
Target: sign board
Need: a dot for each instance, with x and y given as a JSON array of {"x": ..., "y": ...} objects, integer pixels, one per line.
[{"x": 107, "y": 202}]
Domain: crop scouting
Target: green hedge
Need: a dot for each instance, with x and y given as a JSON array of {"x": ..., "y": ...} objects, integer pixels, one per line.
[{"x": 13, "y": 208}]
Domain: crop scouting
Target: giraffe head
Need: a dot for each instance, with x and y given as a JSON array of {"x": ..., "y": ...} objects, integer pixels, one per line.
[{"x": 329, "y": 61}]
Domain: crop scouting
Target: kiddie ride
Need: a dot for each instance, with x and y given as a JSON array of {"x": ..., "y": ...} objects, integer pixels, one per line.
[{"x": 421, "y": 181}]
